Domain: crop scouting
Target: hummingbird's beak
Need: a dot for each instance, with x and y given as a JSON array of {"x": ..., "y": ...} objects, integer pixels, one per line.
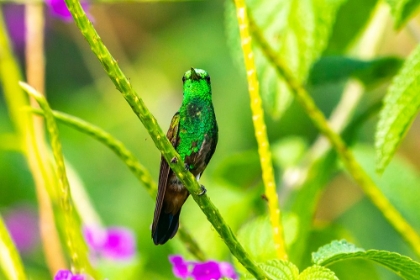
[{"x": 194, "y": 75}]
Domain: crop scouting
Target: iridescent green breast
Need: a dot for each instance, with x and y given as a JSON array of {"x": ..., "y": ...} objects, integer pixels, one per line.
[{"x": 197, "y": 123}]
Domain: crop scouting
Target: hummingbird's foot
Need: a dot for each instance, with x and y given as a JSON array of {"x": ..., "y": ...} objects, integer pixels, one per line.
[
  {"x": 174, "y": 160},
  {"x": 203, "y": 190},
  {"x": 187, "y": 167}
]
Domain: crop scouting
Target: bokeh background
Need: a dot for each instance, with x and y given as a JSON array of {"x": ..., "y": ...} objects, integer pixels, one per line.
[{"x": 154, "y": 44}]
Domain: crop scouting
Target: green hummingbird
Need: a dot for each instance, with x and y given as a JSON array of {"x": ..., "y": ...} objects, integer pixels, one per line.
[{"x": 193, "y": 133}]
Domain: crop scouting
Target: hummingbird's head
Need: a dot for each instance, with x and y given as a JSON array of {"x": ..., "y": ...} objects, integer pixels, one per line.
[{"x": 196, "y": 81}]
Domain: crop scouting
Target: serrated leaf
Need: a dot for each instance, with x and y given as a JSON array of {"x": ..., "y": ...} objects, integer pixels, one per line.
[
  {"x": 317, "y": 272},
  {"x": 402, "y": 10},
  {"x": 298, "y": 42},
  {"x": 401, "y": 105},
  {"x": 342, "y": 250},
  {"x": 335, "y": 68},
  {"x": 331, "y": 252},
  {"x": 279, "y": 270}
]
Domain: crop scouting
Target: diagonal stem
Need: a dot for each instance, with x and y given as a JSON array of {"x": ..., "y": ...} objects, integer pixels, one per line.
[
  {"x": 351, "y": 164},
  {"x": 159, "y": 138},
  {"x": 132, "y": 163}
]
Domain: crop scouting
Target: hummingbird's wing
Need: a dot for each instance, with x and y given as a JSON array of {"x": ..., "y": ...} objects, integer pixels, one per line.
[
  {"x": 201, "y": 158},
  {"x": 165, "y": 170}
]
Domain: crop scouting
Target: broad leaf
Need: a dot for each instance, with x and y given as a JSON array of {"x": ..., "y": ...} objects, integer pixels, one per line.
[
  {"x": 257, "y": 238},
  {"x": 401, "y": 105},
  {"x": 335, "y": 68},
  {"x": 402, "y": 10},
  {"x": 277, "y": 269},
  {"x": 285, "y": 270},
  {"x": 304, "y": 201},
  {"x": 317, "y": 272},
  {"x": 242, "y": 170},
  {"x": 352, "y": 18},
  {"x": 399, "y": 183},
  {"x": 297, "y": 30},
  {"x": 342, "y": 250}
]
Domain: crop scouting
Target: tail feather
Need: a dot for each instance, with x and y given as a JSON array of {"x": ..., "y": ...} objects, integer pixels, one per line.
[{"x": 167, "y": 226}]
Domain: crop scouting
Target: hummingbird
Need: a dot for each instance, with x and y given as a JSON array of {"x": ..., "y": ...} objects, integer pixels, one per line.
[{"x": 193, "y": 133}]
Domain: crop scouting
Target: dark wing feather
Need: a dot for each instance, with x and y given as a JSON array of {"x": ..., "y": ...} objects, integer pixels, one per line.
[{"x": 165, "y": 170}]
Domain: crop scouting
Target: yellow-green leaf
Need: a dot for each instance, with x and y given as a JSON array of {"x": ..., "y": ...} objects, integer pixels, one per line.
[{"x": 401, "y": 105}]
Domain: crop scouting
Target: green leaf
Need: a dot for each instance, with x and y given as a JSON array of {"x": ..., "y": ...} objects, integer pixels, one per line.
[
  {"x": 279, "y": 270},
  {"x": 401, "y": 105},
  {"x": 317, "y": 272},
  {"x": 351, "y": 20},
  {"x": 257, "y": 238},
  {"x": 285, "y": 270},
  {"x": 242, "y": 169},
  {"x": 330, "y": 69},
  {"x": 333, "y": 252},
  {"x": 399, "y": 183},
  {"x": 288, "y": 151},
  {"x": 342, "y": 250},
  {"x": 298, "y": 42},
  {"x": 402, "y": 10},
  {"x": 304, "y": 203}
]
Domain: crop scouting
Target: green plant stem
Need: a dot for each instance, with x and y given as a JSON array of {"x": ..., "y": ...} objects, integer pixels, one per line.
[
  {"x": 72, "y": 228},
  {"x": 159, "y": 138},
  {"x": 261, "y": 131},
  {"x": 10, "y": 261},
  {"x": 351, "y": 164},
  {"x": 27, "y": 141},
  {"x": 130, "y": 160},
  {"x": 35, "y": 75},
  {"x": 141, "y": 173}
]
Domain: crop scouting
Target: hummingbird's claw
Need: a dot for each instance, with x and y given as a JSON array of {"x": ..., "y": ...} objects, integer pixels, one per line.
[
  {"x": 174, "y": 160},
  {"x": 187, "y": 167},
  {"x": 203, "y": 190}
]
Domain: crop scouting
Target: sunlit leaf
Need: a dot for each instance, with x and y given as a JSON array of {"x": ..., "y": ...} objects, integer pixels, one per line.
[
  {"x": 401, "y": 105},
  {"x": 403, "y": 10},
  {"x": 317, "y": 272},
  {"x": 297, "y": 30},
  {"x": 278, "y": 269},
  {"x": 257, "y": 239},
  {"x": 342, "y": 250}
]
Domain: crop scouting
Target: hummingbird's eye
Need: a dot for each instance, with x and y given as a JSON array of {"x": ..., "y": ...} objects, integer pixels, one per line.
[
  {"x": 183, "y": 78},
  {"x": 208, "y": 78}
]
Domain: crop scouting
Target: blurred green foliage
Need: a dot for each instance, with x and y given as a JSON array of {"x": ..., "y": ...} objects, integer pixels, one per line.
[{"x": 155, "y": 43}]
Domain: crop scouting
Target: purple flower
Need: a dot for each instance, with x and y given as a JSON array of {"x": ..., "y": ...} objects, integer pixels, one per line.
[
  {"x": 59, "y": 9},
  {"x": 64, "y": 274},
  {"x": 179, "y": 266},
  {"x": 201, "y": 270},
  {"x": 22, "y": 224},
  {"x": 114, "y": 243},
  {"x": 14, "y": 16}
]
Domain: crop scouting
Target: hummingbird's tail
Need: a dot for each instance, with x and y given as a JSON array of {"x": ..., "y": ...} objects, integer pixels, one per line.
[{"x": 166, "y": 227}]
